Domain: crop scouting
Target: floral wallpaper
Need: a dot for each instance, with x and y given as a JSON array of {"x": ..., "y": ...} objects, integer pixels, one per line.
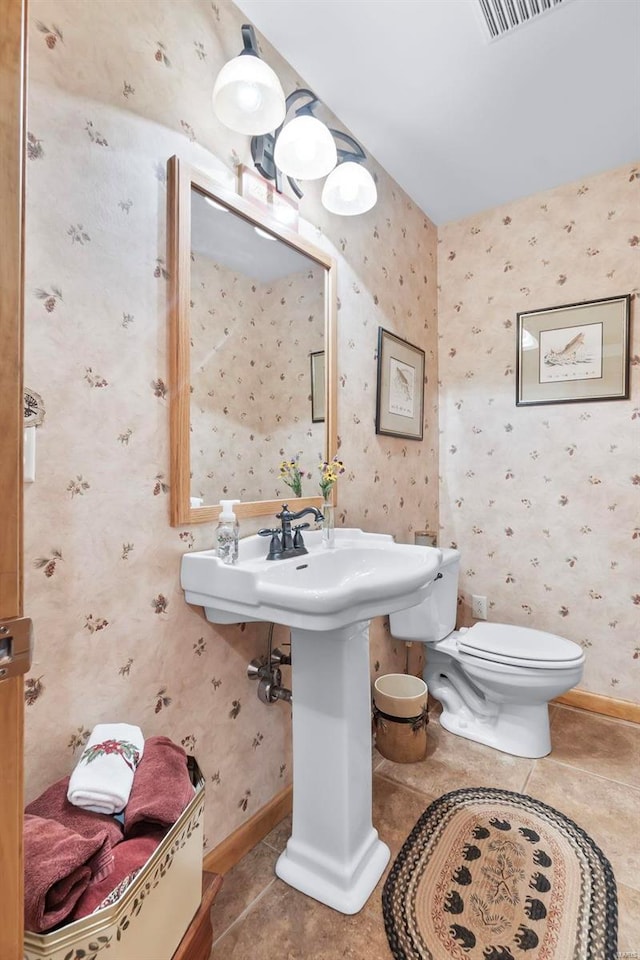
[
  {"x": 114, "y": 91},
  {"x": 251, "y": 380},
  {"x": 543, "y": 500}
]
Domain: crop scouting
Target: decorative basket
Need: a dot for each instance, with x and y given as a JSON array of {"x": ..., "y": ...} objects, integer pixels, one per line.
[{"x": 152, "y": 915}]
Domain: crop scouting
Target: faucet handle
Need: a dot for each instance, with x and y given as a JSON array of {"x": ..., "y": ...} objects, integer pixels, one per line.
[
  {"x": 298, "y": 542},
  {"x": 275, "y": 547}
]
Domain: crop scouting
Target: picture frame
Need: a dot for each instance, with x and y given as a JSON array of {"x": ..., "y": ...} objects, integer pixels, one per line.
[
  {"x": 573, "y": 353},
  {"x": 400, "y": 387},
  {"x": 317, "y": 386}
]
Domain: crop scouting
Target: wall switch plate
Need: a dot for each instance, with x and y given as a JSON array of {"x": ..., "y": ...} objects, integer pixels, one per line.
[{"x": 478, "y": 607}]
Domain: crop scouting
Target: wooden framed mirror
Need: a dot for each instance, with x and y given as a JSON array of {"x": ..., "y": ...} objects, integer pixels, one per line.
[{"x": 250, "y": 303}]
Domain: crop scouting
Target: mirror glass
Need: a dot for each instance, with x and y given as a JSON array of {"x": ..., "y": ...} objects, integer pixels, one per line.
[
  {"x": 257, "y": 316},
  {"x": 252, "y": 352}
]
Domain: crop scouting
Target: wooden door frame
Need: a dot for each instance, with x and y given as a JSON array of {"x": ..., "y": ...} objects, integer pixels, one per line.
[{"x": 12, "y": 129}]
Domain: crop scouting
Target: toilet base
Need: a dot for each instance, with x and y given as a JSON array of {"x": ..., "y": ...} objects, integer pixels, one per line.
[{"x": 521, "y": 730}]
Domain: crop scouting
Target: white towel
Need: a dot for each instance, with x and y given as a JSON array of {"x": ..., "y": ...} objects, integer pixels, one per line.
[{"x": 103, "y": 776}]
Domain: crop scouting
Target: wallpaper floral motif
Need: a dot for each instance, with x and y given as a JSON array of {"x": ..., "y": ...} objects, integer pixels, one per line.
[
  {"x": 543, "y": 500},
  {"x": 251, "y": 380},
  {"x": 114, "y": 91}
]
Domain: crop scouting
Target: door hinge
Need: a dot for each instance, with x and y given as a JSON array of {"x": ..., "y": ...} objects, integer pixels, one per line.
[{"x": 16, "y": 643}]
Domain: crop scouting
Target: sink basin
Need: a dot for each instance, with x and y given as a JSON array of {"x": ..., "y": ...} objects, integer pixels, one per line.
[
  {"x": 363, "y": 576},
  {"x": 327, "y": 597}
]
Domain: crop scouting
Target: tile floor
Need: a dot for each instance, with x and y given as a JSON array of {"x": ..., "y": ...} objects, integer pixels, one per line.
[{"x": 592, "y": 775}]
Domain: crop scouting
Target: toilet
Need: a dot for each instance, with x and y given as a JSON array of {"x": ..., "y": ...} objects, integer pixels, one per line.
[{"x": 494, "y": 680}]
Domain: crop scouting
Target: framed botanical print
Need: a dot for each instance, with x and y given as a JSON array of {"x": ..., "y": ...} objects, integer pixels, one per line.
[
  {"x": 575, "y": 352},
  {"x": 400, "y": 394}
]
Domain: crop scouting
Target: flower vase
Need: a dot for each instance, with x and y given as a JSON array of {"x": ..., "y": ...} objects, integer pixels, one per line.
[{"x": 328, "y": 524}]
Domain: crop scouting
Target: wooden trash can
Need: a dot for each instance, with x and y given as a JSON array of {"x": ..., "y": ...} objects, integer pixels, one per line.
[{"x": 400, "y": 717}]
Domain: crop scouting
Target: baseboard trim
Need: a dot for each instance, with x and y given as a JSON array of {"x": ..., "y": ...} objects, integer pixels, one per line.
[
  {"x": 225, "y": 856},
  {"x": 597, "y": 703}
]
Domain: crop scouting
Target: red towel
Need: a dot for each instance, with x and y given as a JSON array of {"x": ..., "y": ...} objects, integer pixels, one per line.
[
  {"x": 129, "y": 856},
  {"x": 53, "y": 805},
  {"x": 58, "y": 865},
  {"x": 161, "y": 787}
]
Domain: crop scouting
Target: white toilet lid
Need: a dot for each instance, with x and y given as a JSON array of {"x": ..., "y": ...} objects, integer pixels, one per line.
[{"x": 519, "y": 645}]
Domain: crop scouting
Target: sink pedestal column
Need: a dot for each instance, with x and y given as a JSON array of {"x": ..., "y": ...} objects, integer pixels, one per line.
[{"x": 334, "y": 853}]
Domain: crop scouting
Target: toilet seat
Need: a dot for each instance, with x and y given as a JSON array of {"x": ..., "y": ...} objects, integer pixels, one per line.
[{"x": 518, "y": 647}]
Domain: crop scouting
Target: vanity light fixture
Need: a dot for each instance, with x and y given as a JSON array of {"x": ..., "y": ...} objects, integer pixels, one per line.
[{"x": 301, "y": 148}]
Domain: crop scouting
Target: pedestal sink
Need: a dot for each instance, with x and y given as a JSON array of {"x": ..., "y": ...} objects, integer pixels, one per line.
[{"x": 327, "y": 597}]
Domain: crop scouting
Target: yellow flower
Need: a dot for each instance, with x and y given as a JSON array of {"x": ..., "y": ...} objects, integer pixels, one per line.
[
  {"x": 329, "y": 472},
  {"x": 292, "y": 474}
]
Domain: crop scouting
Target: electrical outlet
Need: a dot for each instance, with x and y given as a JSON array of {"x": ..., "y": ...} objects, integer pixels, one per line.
[{"x": 478, "y": 607}]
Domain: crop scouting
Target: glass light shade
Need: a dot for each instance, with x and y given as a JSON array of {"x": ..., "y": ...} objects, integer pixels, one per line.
[
  {"x": 305, "y": 149},
  {"x": 248, "y": 97},
  {"x": 349, "y": 190}
]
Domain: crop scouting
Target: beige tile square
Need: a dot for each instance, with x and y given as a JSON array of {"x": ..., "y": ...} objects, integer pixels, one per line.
[
  {"x": 286, "y": 924},
  {"x": 608, "y": 811},
  {"x": 453, "y": 762},
  {"x": 242, "y": 884},
  {"x": 610, "y": 748},
  {"x": 395, "y": 812}
]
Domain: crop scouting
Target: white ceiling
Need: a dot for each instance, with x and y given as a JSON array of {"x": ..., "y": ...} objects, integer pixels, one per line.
[{"x": 460, "y": 122}]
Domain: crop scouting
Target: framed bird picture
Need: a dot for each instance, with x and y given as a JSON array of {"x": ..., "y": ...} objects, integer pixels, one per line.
[
  {"x": 573, "y": 353},
  {"x": 400, "y": 395}
]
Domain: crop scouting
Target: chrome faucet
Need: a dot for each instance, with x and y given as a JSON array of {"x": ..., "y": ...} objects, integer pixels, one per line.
[{"x": 284, "y": 542}]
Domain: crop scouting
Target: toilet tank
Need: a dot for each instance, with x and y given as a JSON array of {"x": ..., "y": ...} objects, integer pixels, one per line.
[{"x": 435, "y": 617}]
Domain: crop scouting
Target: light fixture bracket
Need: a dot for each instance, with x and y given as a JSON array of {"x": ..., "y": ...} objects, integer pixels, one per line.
[{"x": 249, "y": 41}]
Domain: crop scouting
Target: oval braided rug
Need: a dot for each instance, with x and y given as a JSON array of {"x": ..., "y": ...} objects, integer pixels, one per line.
[{"x": 493, "y": 875}]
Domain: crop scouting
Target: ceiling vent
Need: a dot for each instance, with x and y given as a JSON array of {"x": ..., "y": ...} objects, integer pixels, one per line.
[{"x": 503, "y": 16}]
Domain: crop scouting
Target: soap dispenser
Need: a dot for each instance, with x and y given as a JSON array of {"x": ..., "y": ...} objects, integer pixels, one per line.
[{"x": 228, "y": 532}]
